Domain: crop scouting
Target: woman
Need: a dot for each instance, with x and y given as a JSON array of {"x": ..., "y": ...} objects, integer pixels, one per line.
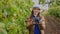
[{"x": 34, "y": 21}]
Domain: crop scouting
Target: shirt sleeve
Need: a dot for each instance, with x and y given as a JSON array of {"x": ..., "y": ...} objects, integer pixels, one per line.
[
  {"x": 43, "y": 22},
  {"x": 28, "y": 22}
]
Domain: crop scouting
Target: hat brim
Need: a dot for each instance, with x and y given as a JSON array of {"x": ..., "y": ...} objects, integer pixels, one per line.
[{"x": 36, "y": 8}]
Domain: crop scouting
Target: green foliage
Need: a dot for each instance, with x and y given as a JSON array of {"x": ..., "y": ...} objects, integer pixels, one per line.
[
  {"x": 55, "y": 3},
  {"x": 42, "y": 1},
  {"x": 13, "y": 14},
  {"x": 58, "y": 2},
  {"x": 54, "y": 11}
]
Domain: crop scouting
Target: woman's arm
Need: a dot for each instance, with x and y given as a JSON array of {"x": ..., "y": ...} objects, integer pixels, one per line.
[
  {"x": 43, "y": 22},
  {"x": 28, "y": 22}
]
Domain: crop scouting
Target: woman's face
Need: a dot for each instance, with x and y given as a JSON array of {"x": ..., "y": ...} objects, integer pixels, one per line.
[{"x": 36, "y": 11}]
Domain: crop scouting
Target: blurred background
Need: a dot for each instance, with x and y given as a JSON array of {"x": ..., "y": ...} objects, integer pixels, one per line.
[{"x": 13, "y": 14}]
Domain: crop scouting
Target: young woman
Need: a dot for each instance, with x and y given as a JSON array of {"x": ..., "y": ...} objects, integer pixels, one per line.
[{"x": 34, "y": 21}]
